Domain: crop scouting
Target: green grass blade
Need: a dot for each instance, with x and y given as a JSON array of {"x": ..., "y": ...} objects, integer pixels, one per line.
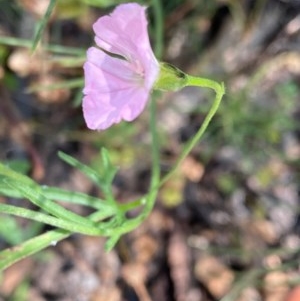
[
  {"x": 58, "y": 49},
  {"x": 42, "y": 24}
]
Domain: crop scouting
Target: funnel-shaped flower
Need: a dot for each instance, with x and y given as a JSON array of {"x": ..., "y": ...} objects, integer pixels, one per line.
[{"x": 120, "y": 75}]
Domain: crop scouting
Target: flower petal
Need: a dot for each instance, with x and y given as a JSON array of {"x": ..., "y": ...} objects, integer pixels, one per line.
[
  {"x": 102, "y": 110},
  {"x": 118, "y": 89},
  {"x": 105, "y": 74},
  {"x": 119, "y": 32}
]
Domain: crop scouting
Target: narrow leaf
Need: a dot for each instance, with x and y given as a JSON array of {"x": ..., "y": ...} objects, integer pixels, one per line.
[
  {"x": 88, "y": 171},
  {"x": 50, "y": 220},
  {"x": 31, "y": 246},
  {"x": 109, "y": 169},
  {"x": 42, "y": 24},
  {"x": 59, "y": 194},
  {"x": 111, "y": 242},
  {"x": 34, "y": 194},
  {"x": 59, "y": 49},
  {"x": 10, "y": 231}
]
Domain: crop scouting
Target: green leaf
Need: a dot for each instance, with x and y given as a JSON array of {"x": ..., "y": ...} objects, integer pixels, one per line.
[
  {"x": 50, "y": 220},
  {"x": 42, "y": 24},
  {"x": 55, "y": 193},
  {"x": 20, "y": 165},
  {"x": 59, "y": 49},
  {"x": 88, "y": 171},
  {"x": 109, "y": 170},
  {"x": 58, "y": 194},
  {"x": 8, "y": 191},
  {"x": 10, "y": 231},
  {"x": 6, "y": 172},
  {"x": 31, "y": 246},
  {"x": 34, "y": 194},
  {"x": 111, "y": 242}
]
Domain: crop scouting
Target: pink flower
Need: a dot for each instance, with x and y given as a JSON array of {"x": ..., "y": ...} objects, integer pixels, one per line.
[{"x": 119, "y": 79}]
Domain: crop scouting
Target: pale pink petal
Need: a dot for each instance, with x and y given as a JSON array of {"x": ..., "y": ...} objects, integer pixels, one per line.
[
  {"x": 117, "y": 88},
  {"x": 104, "y": 73},
  {"x": 100, "y": 112},
  {"x": 124, "y": 31}
]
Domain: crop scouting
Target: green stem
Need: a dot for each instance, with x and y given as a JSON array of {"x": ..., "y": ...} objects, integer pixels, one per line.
[
  {"x": 219, "y": 89},
  {"x": 159, "y": 28},
  {"x": 149, "y": 200},
  {"x": 205, "y": 83},
  {"x": 155, "y": 176}
]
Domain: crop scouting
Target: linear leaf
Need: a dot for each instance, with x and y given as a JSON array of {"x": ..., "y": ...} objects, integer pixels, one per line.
[
  {"x": 35, "y": 195},
  {"x": 88, "y": 171},
  {"x": 50, "y": 220},
  {"x": 31, "y": 246},
  {"x": 42, "y": 24},
  {"x": 59, "y": 194},
  {"x": 33, "y": 192},
  {"x": 59, "y": 49}
]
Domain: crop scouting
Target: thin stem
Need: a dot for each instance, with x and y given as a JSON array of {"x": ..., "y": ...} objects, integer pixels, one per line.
[
  {"x": 205, "y": 83},
  {"x": 149, "y": 200},
  {"x": 42, "y": 24},
  {"x": 159, "y": 28},
  {"x": 155, "y": 171},
  {"x": 155, "y": 176},
  {"x": 219, "y": 89}
]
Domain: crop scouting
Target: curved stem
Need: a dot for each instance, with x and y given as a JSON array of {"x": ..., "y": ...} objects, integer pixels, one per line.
[{"x": 219, "y": 89}]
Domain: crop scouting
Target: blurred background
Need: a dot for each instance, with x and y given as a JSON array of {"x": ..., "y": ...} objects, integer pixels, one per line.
[{"x": 226, "y": 226}]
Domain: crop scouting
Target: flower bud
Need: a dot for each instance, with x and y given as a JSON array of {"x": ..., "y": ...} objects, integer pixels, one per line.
[{"x": 170, "y": 78}]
